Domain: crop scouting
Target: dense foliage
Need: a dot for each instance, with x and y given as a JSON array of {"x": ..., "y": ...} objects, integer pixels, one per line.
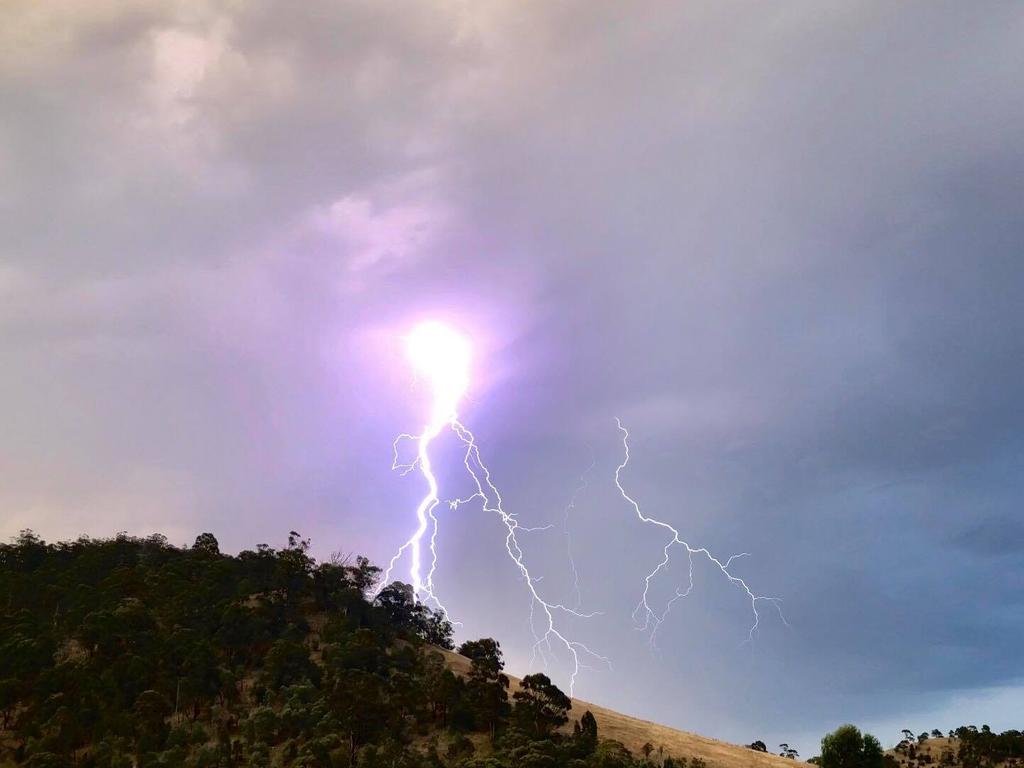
[
  {"x": 847, "y": 747},
  {"x": 979, "y": 748},
  {"x": 130, "y": 651}
]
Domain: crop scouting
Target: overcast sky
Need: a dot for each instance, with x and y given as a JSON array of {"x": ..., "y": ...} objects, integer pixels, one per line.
[{"x": 784, "y": 242}]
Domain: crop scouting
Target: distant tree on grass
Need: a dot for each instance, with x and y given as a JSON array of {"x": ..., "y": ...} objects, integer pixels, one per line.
[
  {"x": 540, "y": 707},
  {"x": 785, "y": 751},
  {"x": 847, "y": 747}
]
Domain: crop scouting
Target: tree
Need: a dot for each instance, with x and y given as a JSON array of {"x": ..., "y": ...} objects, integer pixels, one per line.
[
  {"x": 437, "y": 630},
  {"x": 193, "y": 659},
  {"x": 487, "y": 685},
  {"x": 207, "y": 544},
  {"x": 399, "y": 603},
  {"x": 295, "y": 565},
  {"x": 358, "y": 699},
  {"x": 788, "y": 751},
  {"x": 872, "y": 754},
  {"x": 288, "y": 662},
  {"x": 846, "y": 747},
  {"x": 585, "y": 734},
  {"x": 540, "y": 706}
]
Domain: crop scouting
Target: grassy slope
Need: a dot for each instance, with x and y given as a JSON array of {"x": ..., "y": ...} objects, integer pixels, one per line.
[
  {"x": 634, "y": 733},
  {"x": 931, "y": 747}
]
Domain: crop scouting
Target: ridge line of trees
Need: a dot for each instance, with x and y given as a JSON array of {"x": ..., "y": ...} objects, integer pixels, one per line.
[{"x": 133, "y": 653}]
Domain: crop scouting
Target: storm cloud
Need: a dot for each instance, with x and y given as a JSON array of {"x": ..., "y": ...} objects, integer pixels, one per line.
[{"x": 783, "y": 242}]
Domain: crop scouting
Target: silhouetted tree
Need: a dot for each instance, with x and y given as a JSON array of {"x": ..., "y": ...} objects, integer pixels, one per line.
[
  {"x": 207, "y": 544},
  {"x": 585, "y": 734},
  {"x": 487, "y": 685},
  {"x": 540, "y": 706}
]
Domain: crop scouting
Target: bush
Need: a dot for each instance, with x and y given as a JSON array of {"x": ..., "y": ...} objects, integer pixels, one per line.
[{"x": 846, "y": 747}]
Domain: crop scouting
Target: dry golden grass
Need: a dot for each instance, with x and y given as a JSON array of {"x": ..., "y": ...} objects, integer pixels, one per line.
[{"x": 634, "y": 733}]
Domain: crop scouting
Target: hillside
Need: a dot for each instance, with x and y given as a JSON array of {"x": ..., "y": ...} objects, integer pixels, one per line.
[
  {"x": 966, "y": 747},
  {"x": 927, "y": 753},
  {"x": 634, "y": 733},
  {"x": 133, "y": 653}
]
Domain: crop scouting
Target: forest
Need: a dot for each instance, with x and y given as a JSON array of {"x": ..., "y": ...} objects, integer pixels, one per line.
[
  {"x": 134, "y": 652},
  {"x": 130, "y": 651}
]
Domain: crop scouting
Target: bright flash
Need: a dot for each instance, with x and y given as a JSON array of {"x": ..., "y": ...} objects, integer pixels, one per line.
[{"x": 442, "y": 355}]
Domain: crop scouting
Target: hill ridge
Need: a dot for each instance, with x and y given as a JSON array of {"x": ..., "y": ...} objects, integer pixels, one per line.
[{"x": 634, "y": 732}]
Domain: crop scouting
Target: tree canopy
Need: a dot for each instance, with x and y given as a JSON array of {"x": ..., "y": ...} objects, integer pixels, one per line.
[
  {"x": 132, "y": 652},
  {"x": 847, "y": 747}
]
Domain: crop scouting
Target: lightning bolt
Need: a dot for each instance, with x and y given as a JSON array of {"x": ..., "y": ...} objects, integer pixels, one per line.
[
  {"x": 646, "y": 618},
  {"x": 424, "y": 515},
  {"x": 550, "y": 634},
  {"x": 448, "y": 390}
]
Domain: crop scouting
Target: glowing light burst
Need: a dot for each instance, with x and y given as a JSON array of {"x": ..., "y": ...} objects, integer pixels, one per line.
[
  {"x": 442, "y": 356},
  {"x": 645, "y": 617}
]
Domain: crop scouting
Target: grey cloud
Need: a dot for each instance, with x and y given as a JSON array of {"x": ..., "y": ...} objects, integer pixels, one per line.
[{"x": 782, "y": 242}]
